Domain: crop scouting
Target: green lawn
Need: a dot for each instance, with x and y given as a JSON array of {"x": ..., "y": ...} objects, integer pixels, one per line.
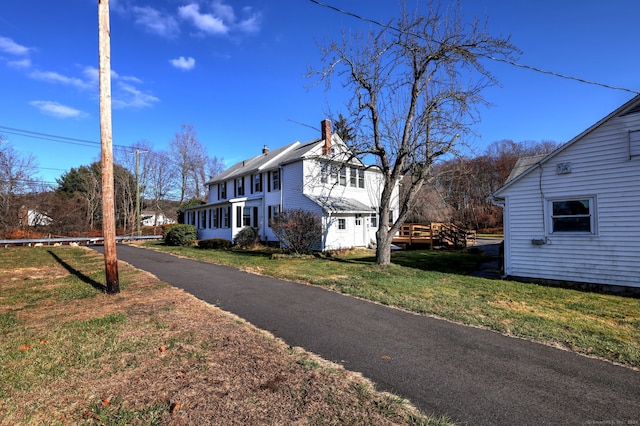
[{"x": 439, "y": 283}]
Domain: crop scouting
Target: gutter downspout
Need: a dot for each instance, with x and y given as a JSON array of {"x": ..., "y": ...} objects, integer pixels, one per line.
[
  {"x": 281, "y": 173},
  {"x": 501, "y": 202}
]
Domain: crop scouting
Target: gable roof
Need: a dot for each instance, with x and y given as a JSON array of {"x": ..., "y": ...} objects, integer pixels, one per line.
[
  {"x": 523, "y": 164},
  {"x": 630, "y": 107},
  {"x": 272, "y": 159},
  {"x": 300, "y": 151},
  {"x": 259, "y": 162}
]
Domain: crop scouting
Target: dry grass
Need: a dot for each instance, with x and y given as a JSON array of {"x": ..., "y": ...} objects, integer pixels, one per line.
[{"x": 156, "y": 355}]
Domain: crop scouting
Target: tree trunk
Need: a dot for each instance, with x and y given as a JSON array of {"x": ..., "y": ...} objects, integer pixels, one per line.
[{"x": 383, "y": 245}]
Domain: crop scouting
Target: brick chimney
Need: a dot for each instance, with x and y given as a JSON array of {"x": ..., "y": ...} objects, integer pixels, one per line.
[{"x": 326, "y": 135}]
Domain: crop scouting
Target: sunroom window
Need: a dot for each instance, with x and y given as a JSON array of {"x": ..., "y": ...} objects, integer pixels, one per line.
[{"x": 572, "y": 215}]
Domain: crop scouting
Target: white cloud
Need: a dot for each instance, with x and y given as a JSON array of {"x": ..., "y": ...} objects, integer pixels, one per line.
[
  {"x": 7, "y": 45},
  {"x": 223, "y": 11},
  {"x": 20, "y": 64},
  {"x": 183, "y": 63},
  {"x": 58, "y": 110},
  {"x": 128, "y": 96},
  {"x": 155, "y": 22},
  {"x": 203, "y": 21},
  {"x": 124, "y": 92},
  {"x": 251, "y": 25},
  {"x": 54, "y": 77}
]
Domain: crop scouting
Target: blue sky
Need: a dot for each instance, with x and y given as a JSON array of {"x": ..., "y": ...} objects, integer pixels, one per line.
[{"x": 234, "y": 69}]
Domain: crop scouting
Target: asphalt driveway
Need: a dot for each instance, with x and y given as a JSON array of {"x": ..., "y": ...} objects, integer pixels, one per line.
[{"x": 474, "y": 376}]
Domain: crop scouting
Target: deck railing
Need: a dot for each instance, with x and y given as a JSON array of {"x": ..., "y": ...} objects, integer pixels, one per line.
[{"x": 434, "y": 233}]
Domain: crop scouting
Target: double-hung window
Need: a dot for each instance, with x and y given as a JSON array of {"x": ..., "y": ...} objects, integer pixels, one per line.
[
  {"x": 240, "y": 187},
  {"x": 222, "y": 190},
  {"x": 257, "y": 182},
  {"x": 324, "y": 173},
  {"x": 360, "y": 178},
  {"x": 343, "y": 176},
  {"x": 572, "y": 215},
  {"x": 353, "y": 177}
]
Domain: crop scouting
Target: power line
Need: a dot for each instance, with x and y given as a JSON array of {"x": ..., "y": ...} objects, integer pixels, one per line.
[
  {"x": 27, "y": 182},
  {"x": 493, "y": 58},
  {"x": 53, "y": 138}
]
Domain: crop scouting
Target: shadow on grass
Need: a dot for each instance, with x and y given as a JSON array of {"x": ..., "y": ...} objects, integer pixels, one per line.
[
  {"x": 82, "y": 277},
  {"x": 440, "y": 261},
  {"x": 449, "y": 262}
]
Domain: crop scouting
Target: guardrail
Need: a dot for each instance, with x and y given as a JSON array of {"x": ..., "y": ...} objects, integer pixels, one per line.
[{"x": 73, "y": 241}]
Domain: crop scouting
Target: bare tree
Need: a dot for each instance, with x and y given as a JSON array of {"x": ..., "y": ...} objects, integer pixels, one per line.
[
  {"x": 416, "y": 84},
  {"x": 136, "y": 159},
  {"x": 215, "y": 166},
  {"x": 161, "y": 180},
  {"x": 466, "y": 183},
  {"x": 191, "y": 160},
  {"x": 17, "y": 176},
  {"x": 126, "y": 157}
]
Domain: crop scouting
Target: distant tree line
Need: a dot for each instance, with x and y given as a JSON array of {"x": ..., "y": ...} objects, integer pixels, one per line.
[
  {"x": 165, "y": 180},
  {"x": 460, "y": 187}
]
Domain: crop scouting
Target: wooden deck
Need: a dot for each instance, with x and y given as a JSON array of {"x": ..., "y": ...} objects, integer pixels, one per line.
[{"x": 434, "y": 234}]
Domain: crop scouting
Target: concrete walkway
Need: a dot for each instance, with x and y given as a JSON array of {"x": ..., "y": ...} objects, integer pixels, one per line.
[{"x": 474, "y": 376}]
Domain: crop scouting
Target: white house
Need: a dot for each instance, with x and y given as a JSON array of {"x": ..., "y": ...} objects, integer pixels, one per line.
[
  {"x": 152, "y": 218},
  {"x": 319, "y": 176},
  {"x": 574, "y": 215},
  {"x": 32, "y": 217}
]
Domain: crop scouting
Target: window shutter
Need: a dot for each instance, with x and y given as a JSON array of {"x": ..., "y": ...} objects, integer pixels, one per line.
[
  {"x": 269, "y": 182},
  {"x": 255, "y": 217},
  {"x": 239, "y": 216},
  {"x": 270, "y": 213}
]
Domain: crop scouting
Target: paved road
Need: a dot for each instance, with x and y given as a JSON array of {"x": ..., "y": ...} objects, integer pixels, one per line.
[{"x": 475, "y": 376}]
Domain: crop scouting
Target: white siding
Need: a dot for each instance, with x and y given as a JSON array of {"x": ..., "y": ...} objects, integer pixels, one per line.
[
  {"x": 297, "y": 180},
  {"x": 600, "y": 168},
  {"x": 335, "y": 238}
]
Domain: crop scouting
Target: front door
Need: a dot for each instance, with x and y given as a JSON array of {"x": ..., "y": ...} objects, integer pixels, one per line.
[{"x": 359, "y": 231}]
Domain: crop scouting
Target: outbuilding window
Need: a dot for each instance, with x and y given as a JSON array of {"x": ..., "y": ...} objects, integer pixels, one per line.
[{"x": 572, "y": 215}]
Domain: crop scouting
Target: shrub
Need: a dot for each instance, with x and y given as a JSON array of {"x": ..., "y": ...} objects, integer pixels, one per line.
[
  {"x": 246, "y": 237},
  {"x": 167, "y": 228},
  {"x": 215, "y": 244},
  {"x": 299, "y": 230},
  {"x": 181, "y": 235}
]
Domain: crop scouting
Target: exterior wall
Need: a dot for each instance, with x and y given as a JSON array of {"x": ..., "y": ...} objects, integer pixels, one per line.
[
  {"x": 358, "y": 232},
  {"x": 298, "y": 180},
  {"x": 361, "y": 228},
  {"x": 601, "y": 169}
]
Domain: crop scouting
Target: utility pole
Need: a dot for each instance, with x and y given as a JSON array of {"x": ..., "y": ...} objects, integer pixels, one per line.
[
  {"x": 108, "y": 209},
  {"x": 138, "y": 152}
]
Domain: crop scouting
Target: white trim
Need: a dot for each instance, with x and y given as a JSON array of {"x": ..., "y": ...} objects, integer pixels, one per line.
[{"x": 593, "y": 220}]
